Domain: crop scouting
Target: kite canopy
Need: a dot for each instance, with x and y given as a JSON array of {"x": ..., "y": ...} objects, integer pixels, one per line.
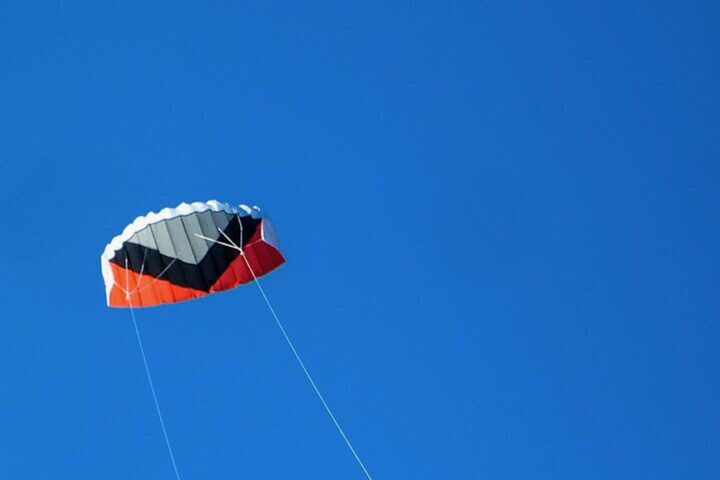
[{"x": 161, "y": 257}]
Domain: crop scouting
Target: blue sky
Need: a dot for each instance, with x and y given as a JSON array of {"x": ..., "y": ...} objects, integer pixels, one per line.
[{"x": 500, "y": 221}]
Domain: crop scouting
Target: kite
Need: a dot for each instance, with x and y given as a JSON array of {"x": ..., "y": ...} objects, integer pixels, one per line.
[{"x": 188, "y": 252}]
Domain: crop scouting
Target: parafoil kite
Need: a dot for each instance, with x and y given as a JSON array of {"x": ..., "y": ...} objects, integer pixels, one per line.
[{"x": 183, "y": 253}]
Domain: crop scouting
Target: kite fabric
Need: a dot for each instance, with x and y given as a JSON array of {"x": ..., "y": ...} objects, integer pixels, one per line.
[{"x": 188, "y": 252}]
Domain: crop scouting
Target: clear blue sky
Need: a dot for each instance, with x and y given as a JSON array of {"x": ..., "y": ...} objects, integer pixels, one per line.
[{"x": 500, "y": 221}]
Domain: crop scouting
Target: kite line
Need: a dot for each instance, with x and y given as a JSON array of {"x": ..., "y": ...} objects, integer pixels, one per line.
[
  {"x": 290, "y": 343},
  {"x": 307, "y": 374},
  {"x": 128, "y": 293}
]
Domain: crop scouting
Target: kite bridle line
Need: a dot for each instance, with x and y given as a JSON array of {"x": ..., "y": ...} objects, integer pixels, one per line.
[
  {"x": 128, "y": 295},
  {"x": 137, "y": 288},
  {"x": 289, "y": 342}
]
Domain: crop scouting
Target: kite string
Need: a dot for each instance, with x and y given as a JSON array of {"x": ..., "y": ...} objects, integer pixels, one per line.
[
  {"x": 304, "y": 369},
  {"x": 290, "y": 344},
  {"x": 149, "y": 378},
  {"x": 307, "y": 374}
]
